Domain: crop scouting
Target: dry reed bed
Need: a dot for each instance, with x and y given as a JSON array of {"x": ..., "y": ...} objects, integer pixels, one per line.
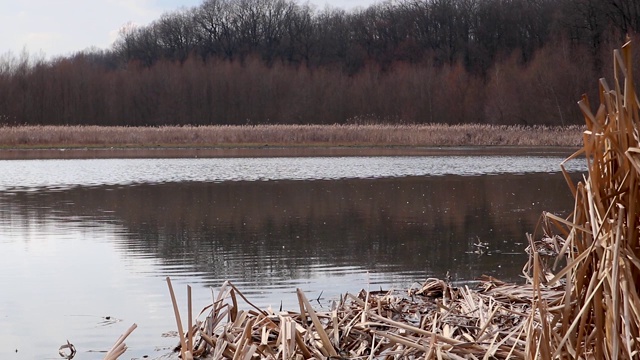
[
  {"x": 430, "y": 321},
  {"x": 284, "y": 135},
  {"x": 589, "y": 309}
]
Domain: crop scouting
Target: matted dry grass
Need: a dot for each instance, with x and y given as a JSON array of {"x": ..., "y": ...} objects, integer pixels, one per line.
[
  {"x": 289, "y": 135},
  {"x": 433, "y": 320},
  {"x": 589, "y": 309}
]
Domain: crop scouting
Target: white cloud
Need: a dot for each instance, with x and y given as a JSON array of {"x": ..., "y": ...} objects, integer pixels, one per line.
[{"x": 61, "y": 27}]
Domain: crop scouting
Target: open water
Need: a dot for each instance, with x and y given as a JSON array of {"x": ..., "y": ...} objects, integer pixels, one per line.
[{"x": 86, "y": 245}]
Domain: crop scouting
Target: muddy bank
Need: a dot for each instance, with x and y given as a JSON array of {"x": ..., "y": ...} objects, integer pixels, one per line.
[{"x": 219, "y": 152}]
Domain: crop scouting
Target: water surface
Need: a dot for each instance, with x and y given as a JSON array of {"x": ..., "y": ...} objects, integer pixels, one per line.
[
  {"x": 28, "y": 175},
  {"x": 85, "y": 245}
]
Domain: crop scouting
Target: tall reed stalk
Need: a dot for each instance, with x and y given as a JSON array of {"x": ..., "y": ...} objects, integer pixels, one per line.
[
  {"x": 590, "y": 309},
  {"x": 599, "y": 315}
]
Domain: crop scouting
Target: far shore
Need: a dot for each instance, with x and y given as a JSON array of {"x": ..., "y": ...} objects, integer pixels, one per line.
[
  {"x": 43, "y": 142},
  {"x": 233, "y": 152}
]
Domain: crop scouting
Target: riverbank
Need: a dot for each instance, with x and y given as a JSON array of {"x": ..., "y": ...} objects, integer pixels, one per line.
[
  {"x": 261, "y": 136},
  {"x": 274, "y": 152}
]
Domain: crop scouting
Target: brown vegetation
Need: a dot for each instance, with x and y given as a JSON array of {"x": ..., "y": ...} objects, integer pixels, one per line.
[
  {"x": 588, "y": 309},
  {"x": 222, "y": 92},
  {"x": 434, "y": 321},
  {"x": 288, "y": 135},
  {"x": 237, "y": 62},
  {"x": 599, "y": 314}
]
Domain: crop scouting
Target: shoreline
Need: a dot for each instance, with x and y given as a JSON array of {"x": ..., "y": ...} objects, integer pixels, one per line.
[
  {"x": 43, "y": 142},
  {"x": 275, "y": 151},
  {"x": 259, "y": 136}
]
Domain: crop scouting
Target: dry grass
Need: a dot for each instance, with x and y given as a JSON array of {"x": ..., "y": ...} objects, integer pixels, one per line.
[
  {"x": 589, "y": 309},
  {"x": 599, "y": 313},
  {"x": 432, "y": 321},
  {"x": 288, "y": 135},
  {"x": 68, "y": 350}
]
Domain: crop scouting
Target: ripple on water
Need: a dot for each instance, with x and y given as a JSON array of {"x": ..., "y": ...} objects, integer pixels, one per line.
[
  {"x": 97, "y": 247},
  {"x": 58, "y": 175}
]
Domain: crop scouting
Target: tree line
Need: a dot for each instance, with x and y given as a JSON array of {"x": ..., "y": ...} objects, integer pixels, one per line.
[{"x": 279, "y": 61}]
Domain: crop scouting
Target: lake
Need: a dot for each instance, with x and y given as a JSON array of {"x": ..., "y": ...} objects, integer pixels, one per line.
[{"x": 85, "y": 245}]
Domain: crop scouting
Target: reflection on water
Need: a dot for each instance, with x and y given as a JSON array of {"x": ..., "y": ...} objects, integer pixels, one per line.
[{"x": 84, "y": 263}]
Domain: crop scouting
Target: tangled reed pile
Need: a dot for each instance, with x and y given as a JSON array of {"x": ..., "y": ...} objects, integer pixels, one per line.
[{"x": 584, "y": 305}]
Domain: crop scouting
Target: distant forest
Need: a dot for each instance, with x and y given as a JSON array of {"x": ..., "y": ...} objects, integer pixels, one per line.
[{"x": 236, "y": 62}]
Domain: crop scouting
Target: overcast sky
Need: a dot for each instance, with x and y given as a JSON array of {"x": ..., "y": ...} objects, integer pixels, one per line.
[{"x": 62, "y": 27}]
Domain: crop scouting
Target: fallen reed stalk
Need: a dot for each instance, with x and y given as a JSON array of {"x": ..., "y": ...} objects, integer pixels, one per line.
[
  {"x": 117, "y": 350},
  {"x": 434, "y": 318},
  {"x": 119, "y": 347},
  {"x": 288, "y": 135},
  {"x": 588, "y": 309}
]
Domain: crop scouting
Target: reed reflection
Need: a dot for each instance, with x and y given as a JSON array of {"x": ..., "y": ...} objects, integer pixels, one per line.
[{"x": 268, "y": 233}]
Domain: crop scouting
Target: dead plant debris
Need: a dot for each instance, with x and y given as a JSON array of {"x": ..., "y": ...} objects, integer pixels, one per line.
[
  {"x": 583, "y": 305},
  {"x": 588, "y": 309}
]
